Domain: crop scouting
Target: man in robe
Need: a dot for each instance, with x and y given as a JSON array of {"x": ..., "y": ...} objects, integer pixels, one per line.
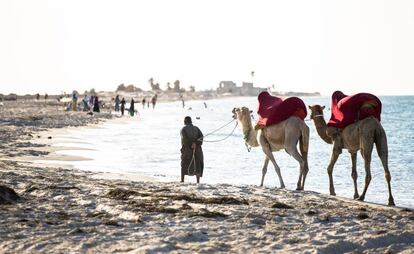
[{"x": 192, "y": 160}]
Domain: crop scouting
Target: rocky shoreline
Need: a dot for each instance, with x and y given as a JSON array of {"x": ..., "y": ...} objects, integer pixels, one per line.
[{"x": 60, "y": 210}]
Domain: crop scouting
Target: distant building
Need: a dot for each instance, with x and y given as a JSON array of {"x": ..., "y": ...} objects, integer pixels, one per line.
[
  {"x": 230, "y": 88},
  {"x": 248, "y": 89}
]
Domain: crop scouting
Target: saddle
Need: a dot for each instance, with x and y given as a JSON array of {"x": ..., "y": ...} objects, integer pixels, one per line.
[
  {"x": 273, "y": 110},
  {"x": 348, "y": 109}
]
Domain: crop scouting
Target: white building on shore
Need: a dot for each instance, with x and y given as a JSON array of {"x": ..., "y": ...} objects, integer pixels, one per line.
[{"x": 230, "y": 88}]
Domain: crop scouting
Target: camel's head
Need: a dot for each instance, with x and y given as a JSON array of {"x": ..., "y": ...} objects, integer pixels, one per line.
[
  {"x": 316, "y": 111},
  {"x": 242, "y": 114}
]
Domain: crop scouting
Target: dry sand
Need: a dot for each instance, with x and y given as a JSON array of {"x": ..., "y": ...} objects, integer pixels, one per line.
[{"x": 64, "y": 210}]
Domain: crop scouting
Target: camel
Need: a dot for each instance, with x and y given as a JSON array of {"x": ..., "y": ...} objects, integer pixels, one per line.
[
  {"x": 358, "y": 136},
  {"x": 284, "y": 135}
]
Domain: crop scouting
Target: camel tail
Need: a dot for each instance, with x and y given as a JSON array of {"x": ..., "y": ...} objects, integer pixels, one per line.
[{"x": 381, "y": 144}]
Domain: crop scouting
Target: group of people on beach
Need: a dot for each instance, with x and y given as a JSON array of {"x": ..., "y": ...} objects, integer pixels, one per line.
[
  {"x": 87, "y": 104},
  {"x": 121, "y": 103}
]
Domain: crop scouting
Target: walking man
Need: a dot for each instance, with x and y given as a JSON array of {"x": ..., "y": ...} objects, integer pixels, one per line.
[{"x": 192, "y": 160}]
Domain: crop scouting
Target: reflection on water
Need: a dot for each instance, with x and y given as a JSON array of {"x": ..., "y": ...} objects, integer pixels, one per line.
[{"x": 149, "y": 145}]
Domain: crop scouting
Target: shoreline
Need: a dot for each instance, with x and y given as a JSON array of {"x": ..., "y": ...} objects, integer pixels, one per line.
[
  {"x": 64, "y": 209},
  {"x": 65, "y": 161}
]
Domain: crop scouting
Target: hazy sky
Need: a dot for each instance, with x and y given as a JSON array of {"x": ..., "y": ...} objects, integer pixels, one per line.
[{"x": 353, "y": 46}]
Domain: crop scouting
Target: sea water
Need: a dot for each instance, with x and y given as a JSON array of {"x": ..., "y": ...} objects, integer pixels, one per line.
[{"x": 149, "y": 144}]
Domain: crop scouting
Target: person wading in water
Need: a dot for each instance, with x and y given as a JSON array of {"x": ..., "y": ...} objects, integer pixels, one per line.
[{"x": 192, "y": 160}]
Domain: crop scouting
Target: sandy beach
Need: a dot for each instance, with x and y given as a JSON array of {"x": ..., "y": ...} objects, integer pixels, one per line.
[{"x": 56, "y": 209}]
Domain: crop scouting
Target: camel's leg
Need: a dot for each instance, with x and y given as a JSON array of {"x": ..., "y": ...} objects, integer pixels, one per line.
[
  {"x": 354, "y": 174},
  {"x": 306, "y": 167},
  {"x": 367, "y": 145},
  {"x": 295, "y": 154},
  {"x": 268, "y": 152},
  {"x": 382, "y": 150},
  {"x": 388, "y": 178},
  {"x": 334, "y": 158},
  {"x": 264, "y": 170}
]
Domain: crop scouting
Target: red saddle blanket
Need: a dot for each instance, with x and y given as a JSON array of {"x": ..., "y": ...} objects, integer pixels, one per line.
[
  {"x": 348, "y": 109},
  {"x": 273, "y": 110}
]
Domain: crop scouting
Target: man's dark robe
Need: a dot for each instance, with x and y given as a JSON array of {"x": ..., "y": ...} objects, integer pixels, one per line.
[{"x": 191, "y": 134}]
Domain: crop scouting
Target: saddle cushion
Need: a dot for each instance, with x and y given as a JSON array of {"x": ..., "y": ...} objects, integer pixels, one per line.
[
  {"x": 273, "y": 110},
  {"x": 347, "y": 109}
]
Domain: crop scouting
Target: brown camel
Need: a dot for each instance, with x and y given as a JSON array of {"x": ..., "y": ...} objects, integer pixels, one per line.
[
  {"x": 358, "y": 136},
  {"x": 284, "y": 135}
]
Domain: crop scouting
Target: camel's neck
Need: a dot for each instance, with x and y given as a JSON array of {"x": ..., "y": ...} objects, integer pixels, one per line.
[
  {"x": 320, "y": 125},
  {"x": 249, "y": 134}
]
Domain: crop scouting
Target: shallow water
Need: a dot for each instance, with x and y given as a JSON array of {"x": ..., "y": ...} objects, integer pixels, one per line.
[{"x": 150, "y": 145}]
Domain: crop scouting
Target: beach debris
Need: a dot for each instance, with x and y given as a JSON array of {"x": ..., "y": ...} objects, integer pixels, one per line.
[
  {"x": 35, "y": 118},
  {"x": 381, "y": 232},
  {"x": 76, "y": 231},
  {"x": 31, "y": 188},
  {"x": 49, "y": 137},
  {"x": 362, "y": 216},
  {"x": 186, "y": 207},
  {"x": 150, "y": 206},
  {"x": 324, "y": 218},
  {"x": 163, "y": 209},
  {"x": 7, "y": 195},
  {"x": 111, "y": 223},
  {"x": 225, "y": 200},
  {"x": 61, "y": 187},
  {"x": 258, "y": 221},
  {"x": 280, "y": 205},
  {"x": 162, "y": 190},
  {"x": 119, "y": 193},
  {"x": 362, "y": 209},
  {"x": 203, "y": 212},
  {"x": 311, "y": 212},
  {"x": 209, "y": 200}
]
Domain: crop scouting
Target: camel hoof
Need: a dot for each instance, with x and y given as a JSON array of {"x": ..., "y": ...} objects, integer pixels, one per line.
[
  {"x": 361, "y": 198},
  {"x": 356, "y": 196},
  {"x": 333, "y": 194},
  {"x": 282, "y": 187},
  {"x": 299, "y": 188},
  {"x": 391, "y": 202}
]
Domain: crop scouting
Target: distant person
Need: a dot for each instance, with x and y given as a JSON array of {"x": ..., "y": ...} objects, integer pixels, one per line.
[
  {"x": 148, "y": 103},
  {"x": 154, "y": 101},
  {"x": 143, "y": 103},
  {"x": 37, "y": 96},
  {"x": 91, "y": 102},
  {"x": 117, "y": 101},
  {"x": 182, "y": 101},
  {"x": 46, "y": 96},
  {"x": 74, "y": 101},
  {"x": 85, "y": 102},
  {"x": 132, "y": 107},
  {"x": 192, "y": 159},
  {"x": 96, "y": 105},
  {"x": 122, "y": 106},
  {"x": 205, "y": 104}
]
